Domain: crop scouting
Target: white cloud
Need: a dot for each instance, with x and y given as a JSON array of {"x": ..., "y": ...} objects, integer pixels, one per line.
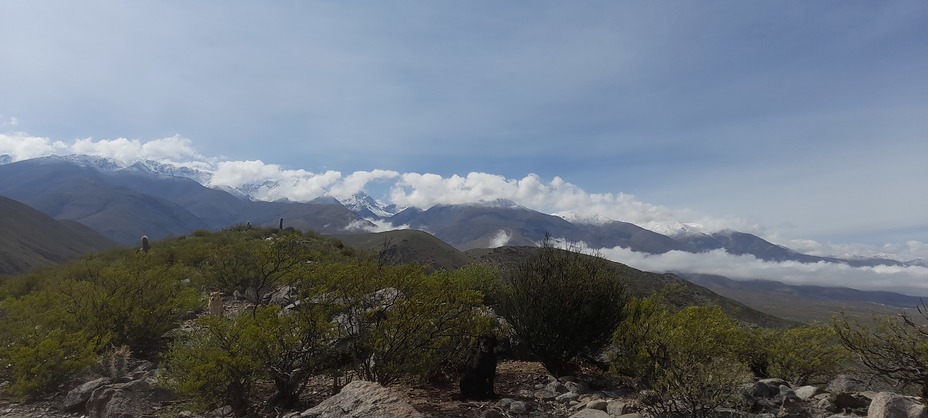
[
  {"x": 9, "y": 122},
  {"x": 500, "y": 239},
  {"x": 22, "y": 146},
  {"x": 908, "y": 280},
  {"x": 374, "y": 225}
]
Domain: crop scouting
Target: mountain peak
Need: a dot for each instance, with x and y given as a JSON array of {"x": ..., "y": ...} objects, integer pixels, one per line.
[
  {"x": 576, "y": 218},
  {"x": 366, "y": 206}
]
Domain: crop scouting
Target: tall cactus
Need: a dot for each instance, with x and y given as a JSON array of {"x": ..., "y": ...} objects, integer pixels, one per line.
[
  {"x": 145, "y": 245},
  {"x": 280, "y": 227}
]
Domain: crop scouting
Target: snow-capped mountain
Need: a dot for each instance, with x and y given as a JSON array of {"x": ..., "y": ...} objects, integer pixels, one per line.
[
  {"x": 576, "y": 218},
  {"x": 368, "y": 207}
]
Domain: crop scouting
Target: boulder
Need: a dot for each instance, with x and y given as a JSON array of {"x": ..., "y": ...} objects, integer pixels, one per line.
[
  {"x": 364, "y": 399},
  {"x": 618, "y": 408},
  {"x": 846, "y": 401},
  {"x": 597, "y": 404},
  {"x": 518, "y": 407},
  {"x": 807, "y": 392},
  {"x": 121, "y": 400},
  {"x": 77, "y": 398},
  {"x": 591, "y": 413},
  {"x": 891, "y": 405},
  {"x": 843, "y": 383}
]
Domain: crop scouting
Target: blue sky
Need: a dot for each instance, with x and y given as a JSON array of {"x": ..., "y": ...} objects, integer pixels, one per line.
[{"x": 802, "y": 120}]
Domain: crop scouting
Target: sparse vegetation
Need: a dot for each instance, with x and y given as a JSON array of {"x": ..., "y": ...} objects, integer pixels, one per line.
[{"x": 894, "y": 348}]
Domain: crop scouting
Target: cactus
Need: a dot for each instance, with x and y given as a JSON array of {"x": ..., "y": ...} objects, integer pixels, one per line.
[
  {"x": 280, "y": 227},
  {"x": 145, "y": 245},
  {"x": 118, "y": 361}
]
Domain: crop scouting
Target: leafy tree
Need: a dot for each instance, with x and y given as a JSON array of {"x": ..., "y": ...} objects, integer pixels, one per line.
[
  {"x": 894, "y": 348},
  {"x": 562, "y": 303}
]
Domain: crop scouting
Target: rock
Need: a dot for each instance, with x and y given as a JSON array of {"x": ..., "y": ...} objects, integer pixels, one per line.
[
  {"x": 491, "y": 413},
  {"x": 76, "y": 399},
  {"x": 807, "y": 392},
  {"x": 844, "y": 401},
  {"x": 891, "y": 405},
  {"x": 632, "y": 415},
  {"x": 556, "y": 387},
  {"x": 517, "y": 407},
  {"x": 121, "y": 400},
  {"x": 843, "y": 383},
  {"x": 618, "y": 408},
  {"x": 545, "y": 394},
  {"x": 579, "y": 388},
  {"x": 774, "y": 383},
  {"x": 364, "y": 399},
  {"x": 505, "y": 402},
  {"x": 597, "y": 404},
  {"x": 591, "y": 413},
  {"x": 566, "y": 397},
  {"x": 792, "y": 407}
]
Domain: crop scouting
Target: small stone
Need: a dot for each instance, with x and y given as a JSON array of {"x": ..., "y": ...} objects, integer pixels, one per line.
[
  {"x": 597, "y": 404},
  {"x": 617, "y": 408},
  {"x": 556, "y": 387},
  {"x": 518, "y": 407},
  {"x": 566, "y": 397},
  {"x": 544, "y": 394}
]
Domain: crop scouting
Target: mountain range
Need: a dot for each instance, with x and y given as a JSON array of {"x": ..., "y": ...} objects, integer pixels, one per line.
[{"x": 123, "y": 203}]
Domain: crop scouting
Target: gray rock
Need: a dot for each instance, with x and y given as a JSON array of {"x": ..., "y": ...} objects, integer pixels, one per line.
[
  {"x": 618, "y": 408},
  {"x": 566, "y": 397},
  {"x": 77, "y": 398},
  {"x": 491, "y": 413},
  {"x": 556, "y": 387},
  {"x": 579, "y": 388},
  {"x": 792, "y": 407},
  {"x": 544, "y": 394},
  {"x": 632, "y": 415},
  {"x": 518, "y": 407},
  {"x": 503, "y": 403},
  {"x": 122, "y": 400},
  {"x": 844, "y": 401},
  {"x": 590, "y": 413},
  {"x": 891, "y": 405},
  {"x": 843, "y": 383},
  {"x": 597, "y": 404},
  {"x": 364, "y": 399},
  {"x": 806, "y": 392}
]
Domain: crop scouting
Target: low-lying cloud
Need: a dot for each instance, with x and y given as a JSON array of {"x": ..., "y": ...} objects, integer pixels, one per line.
[{"x": 911, "y": 280}]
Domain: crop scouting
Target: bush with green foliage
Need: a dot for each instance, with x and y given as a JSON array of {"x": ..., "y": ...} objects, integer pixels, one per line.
[
  {"x": 893, "y": 348},
  {"x": 686, "y": 358},
  {"x": 562, "y": 303},
  {"x": 807, "y": 354},
  {"x": 398, "y": 321}
]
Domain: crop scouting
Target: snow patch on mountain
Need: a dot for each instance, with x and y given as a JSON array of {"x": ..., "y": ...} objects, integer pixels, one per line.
[
  {"x": 362, "y": 203},
  {"x": 583, "y": 219}
]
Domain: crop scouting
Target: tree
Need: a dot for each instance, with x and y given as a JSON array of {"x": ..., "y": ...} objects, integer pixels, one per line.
[
  {"x": 893, "y": 348},
  {"x": 562, "y": 303}
]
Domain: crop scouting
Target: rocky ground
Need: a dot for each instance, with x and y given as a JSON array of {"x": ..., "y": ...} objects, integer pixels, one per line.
[{"x": 525, "y": 389}]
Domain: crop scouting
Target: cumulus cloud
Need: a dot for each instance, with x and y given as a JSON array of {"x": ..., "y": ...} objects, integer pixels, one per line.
[
  {"x": 22, "y": 146},
  {"x": 374, "y": 225}
]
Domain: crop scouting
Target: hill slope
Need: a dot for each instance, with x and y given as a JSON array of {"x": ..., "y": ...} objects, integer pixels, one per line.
[{"x": 32, "y": 239}]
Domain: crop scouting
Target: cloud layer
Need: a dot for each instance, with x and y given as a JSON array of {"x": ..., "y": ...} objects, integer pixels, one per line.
[{"x": 273, "y": 182}]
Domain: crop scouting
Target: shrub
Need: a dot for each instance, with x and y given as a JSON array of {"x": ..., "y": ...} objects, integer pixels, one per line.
[
  {"x": 803, "y": 354},
  {"x": 894, "y": 348},
  {"x": 562, "y": 303},
  {"x": 395, "y": 321},
  {"x": 37, "y": 354},
  {"x": 215, "y": 364},
  {"x": 687, "y": 358}
]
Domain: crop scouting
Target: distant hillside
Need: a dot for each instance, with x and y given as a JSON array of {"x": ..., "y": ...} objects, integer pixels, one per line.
[
  {"x": 32, "y": 239},
  {"x": 641, "y": 283},
  {"x": 802, "y": 302},
  {"x": 408, "y": 246}
]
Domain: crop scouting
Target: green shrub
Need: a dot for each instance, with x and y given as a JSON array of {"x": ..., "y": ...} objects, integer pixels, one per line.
[
  {"x": 396, "y": 321},
  {"x": 130, "y": 303},
  {"x": 562, "y": 304},
  {"x": 687, "y": 358},
  {"x": 215, "y": 364},
  {"x": 805, "y": 354}
]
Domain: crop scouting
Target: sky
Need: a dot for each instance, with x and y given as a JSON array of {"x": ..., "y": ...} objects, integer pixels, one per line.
[{"x": 802, "y": 122}]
